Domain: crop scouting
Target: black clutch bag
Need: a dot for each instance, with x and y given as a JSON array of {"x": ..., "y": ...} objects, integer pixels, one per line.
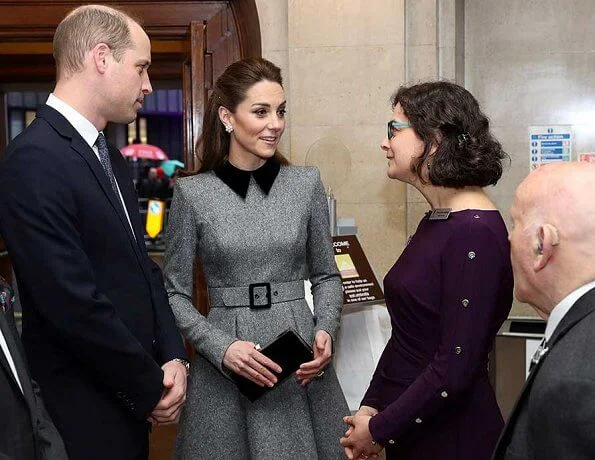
[{"x": 289, "y": 351}]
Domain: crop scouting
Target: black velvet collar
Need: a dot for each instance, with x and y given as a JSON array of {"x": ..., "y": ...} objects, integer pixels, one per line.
[{"x": 239, "y": 180}]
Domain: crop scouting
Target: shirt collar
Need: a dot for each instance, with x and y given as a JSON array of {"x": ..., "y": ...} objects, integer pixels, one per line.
[
  {"x": 83, "y": 126},
  {"x": 239, "y": 180},
  {"x": 563, "y": 307}
]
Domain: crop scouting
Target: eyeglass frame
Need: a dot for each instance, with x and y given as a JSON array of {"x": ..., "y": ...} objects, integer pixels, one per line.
[{"x": 396, "y": 124}]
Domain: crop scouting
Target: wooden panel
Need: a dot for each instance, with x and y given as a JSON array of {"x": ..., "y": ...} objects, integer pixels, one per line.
[
  {"x": 36, "y": 20},
  {"x": 27, "y": 28},
  {"x": 194, "y": 92},
  {"x": 246, "y": 18},
  {"x": 509, "y": 362},
  {"x": 3, "y": 123},
  {"x": 222, "y": 42}
]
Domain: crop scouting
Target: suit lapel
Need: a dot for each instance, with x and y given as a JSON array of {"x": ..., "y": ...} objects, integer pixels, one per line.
[
  {"x": 9, "y": 331},
  {"x": 582, "y": 307},
  {"x": 83, "y": 149},
  {"x": 130, "y": 199},
  {"x": 65, "y": 129},
  {"x": 508, "y": 430}
]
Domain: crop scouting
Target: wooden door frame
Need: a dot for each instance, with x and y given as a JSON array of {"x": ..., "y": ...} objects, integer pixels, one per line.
[{"x": 27, "y": 28}]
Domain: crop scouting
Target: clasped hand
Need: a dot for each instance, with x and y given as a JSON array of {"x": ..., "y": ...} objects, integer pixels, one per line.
[
  {"x": 244, "y": 359},
  {"x": 169, "y": 406},
  {"x": 358, "y": 441}
]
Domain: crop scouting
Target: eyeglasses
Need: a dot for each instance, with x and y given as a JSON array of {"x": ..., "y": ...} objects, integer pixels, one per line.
[{"x": 394, "y": 126}]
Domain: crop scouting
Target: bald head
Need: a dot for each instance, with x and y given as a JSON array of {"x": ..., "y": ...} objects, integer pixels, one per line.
[
  {"x": 559, "y": 194},
  {"x": 553, "y": 236}
]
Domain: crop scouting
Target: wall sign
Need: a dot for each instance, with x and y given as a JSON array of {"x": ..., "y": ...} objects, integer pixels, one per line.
[
  {"x": 589, "y": 157},
  {"x": 549, "y": 144},
  {"x": 359, "y": 282}
]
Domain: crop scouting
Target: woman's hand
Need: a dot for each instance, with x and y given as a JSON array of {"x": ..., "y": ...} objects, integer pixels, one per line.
[
  {"x": 245, "y": 360},
  {"x": 323, "y": 345},
  {"x": 359, "y": 443},
  {"x": 363, "y": 410}
]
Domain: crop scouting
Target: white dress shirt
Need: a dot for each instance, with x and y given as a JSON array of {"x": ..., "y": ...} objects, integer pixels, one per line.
[
  {"x": 563, "y": 307},
  {"x": 6, "y": 352},
  {"x": 87, "y": 131}
]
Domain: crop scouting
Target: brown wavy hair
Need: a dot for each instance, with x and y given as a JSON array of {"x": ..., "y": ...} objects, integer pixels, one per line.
[{"x": 212, "y": 147}]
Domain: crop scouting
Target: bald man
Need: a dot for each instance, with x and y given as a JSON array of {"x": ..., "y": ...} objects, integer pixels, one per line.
[
  {"x": 98, "y": 332},
  {"x": 553, "y": 259}
]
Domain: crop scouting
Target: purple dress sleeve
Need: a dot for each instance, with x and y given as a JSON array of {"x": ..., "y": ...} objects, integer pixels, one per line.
[{"x": 473, "y": 264}]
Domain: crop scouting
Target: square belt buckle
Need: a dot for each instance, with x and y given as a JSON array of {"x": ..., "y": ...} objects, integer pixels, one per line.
[{"x": 260, "y": 295}]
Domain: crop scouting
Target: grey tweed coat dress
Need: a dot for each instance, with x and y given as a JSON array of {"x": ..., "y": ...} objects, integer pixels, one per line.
[{"x": 277, "y": 237}]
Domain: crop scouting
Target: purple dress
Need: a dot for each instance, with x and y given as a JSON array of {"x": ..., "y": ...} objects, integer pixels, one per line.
[{"x": 447, "y": 296}]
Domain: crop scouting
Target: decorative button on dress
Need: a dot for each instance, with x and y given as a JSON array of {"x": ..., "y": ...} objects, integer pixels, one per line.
[
  {"x": 447, "y": 295},
  {"x": 268, "y": 227}
]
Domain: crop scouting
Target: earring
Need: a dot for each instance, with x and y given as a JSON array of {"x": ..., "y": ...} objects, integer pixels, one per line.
[
  {"x": 429, "y": 164},
  {"x": 228, "y": 129}
]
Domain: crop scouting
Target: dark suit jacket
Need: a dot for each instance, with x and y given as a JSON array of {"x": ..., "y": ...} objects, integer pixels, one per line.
[
  {"x": 26, "y": 430},
  {"x": 554, "y": 417},
  {"x": 97, "y": 323}
]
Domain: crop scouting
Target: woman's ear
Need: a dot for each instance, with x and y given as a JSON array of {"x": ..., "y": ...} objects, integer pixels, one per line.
[{"x": 225, "y": 116}]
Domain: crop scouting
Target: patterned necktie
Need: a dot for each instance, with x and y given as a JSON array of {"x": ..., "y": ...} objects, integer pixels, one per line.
[
  {"x": 106, "y": 163},
  {"x": 542, "y": 349}
]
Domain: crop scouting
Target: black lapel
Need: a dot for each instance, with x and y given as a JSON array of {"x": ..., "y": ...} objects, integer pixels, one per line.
[
  {"x": 130, "y": 199},
  {"x": 122, "y": 175},
  {"x": 9, "y": 331},
  {"x": 65, "y": 129},
  {"x": 89, "y": 156}
]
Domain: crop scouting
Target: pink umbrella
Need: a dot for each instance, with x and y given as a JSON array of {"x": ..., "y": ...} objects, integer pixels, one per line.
[{"x": 146, "y": 151}]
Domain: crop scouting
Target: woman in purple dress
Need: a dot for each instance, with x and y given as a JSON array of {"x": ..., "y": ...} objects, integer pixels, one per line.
[{"x": 448, "y": 293}]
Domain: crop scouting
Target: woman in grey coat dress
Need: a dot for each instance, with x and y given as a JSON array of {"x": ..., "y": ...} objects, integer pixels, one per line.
[{"x": 259, "y": 227}]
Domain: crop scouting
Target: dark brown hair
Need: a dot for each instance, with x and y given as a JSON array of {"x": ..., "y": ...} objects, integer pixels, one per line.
[
  {"x": 230, "y": 90},
  {"x": 446, "y": 116}
]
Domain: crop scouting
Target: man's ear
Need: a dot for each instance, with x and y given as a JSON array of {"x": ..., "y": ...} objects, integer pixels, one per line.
[
  {"x": 225, "y": 116},
  {"x": 99, "y": 55},
  {"x": 547, "y": 240}
]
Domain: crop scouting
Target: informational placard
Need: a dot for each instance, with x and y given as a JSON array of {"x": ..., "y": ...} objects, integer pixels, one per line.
[
  {"x": 549, "y": 144},
  {"x": 359, "y": 282},
  {"x": 589, "y": 157}
]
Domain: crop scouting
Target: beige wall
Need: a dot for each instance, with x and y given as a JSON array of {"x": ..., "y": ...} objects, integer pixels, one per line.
[
  {"x": 341, "y": 62},
  {"x": 531, "y": 63},
  {"x": 528, "y": 63}
]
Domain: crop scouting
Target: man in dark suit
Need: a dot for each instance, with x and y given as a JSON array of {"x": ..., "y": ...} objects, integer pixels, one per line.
[
  {"x": 26, "y": 430},
  {"x": 99, "y": 335},
  {"x": 553, "y": 258}
]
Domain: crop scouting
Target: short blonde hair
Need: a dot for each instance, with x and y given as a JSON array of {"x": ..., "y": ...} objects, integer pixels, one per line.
[{"x": 85, "y": 27}]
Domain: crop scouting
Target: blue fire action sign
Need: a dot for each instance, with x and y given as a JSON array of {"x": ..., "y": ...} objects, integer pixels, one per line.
[{"x": 549, "y": 144}]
